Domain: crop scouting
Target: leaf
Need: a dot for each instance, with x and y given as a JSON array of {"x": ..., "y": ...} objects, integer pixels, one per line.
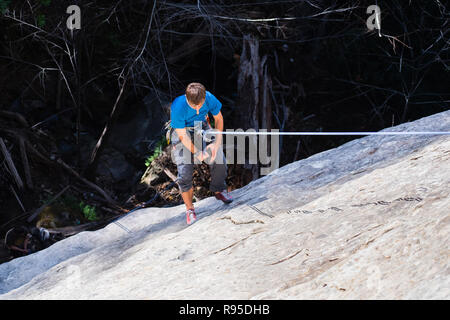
[{"x": 41, "y": 20}]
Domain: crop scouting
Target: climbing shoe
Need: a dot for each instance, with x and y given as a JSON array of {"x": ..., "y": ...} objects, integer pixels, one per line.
[
  {"x": 190, "y": 216},
  {"x": 224, "y": 196}
]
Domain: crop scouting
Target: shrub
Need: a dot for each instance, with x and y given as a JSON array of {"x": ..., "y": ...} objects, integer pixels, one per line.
[
  {"x": 88, "y": 211},
  {"x": 41, "y": 20},
  {"x": 157, "y": 151}
]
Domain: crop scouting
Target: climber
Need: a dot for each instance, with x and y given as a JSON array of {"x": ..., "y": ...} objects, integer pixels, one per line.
[{"x": 185, "y": 110}]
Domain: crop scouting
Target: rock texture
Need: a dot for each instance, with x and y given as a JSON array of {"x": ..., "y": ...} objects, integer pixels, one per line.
[{"x": 367, "y": 220}]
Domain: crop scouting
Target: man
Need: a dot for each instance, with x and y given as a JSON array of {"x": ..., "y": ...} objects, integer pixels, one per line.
[{"x": 185, "y": 110}]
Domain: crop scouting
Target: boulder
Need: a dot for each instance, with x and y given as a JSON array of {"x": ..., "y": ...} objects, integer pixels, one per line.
[{"x": 112, "y": 164}]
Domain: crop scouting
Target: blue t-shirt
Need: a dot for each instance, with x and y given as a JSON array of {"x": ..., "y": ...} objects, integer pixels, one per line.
[{"x": 182, "y": 115}]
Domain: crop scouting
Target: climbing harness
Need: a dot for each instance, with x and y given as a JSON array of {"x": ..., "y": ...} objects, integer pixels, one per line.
[
  {"x": 206, "y": 122},
  {"x": 169, "y": 132}
]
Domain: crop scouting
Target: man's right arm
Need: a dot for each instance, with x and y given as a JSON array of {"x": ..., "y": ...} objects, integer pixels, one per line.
[{"x": 185, "y": 140}]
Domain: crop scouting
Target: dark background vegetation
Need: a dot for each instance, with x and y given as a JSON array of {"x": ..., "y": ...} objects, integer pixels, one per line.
[{"x": 327, "y": 72}]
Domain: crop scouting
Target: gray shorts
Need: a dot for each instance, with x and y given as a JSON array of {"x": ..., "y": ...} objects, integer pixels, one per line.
[{"x": 185, "y": 162}]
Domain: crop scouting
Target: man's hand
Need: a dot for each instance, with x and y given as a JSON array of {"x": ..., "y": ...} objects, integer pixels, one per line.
[
  {"x": 201, "y": 155},
  {"x": 213, "y": 147},
  {"x": 211, "y": 156}
]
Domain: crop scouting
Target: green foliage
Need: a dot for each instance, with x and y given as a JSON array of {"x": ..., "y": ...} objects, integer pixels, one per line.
[
  {"x": 46, "y": 3},
  {"x": 157, "y": 152},
  {"x": 72, "y": 203},
  {"x": 88, "y": 211},
  {"x": 4, "y": 5},
  {"x": 41, "y": 20}
]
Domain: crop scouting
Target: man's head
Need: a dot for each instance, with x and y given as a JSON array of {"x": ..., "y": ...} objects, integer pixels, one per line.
[{"x": 195, "y": 94}]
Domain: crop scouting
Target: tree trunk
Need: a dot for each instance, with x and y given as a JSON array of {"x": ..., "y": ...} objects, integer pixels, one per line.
[{"x": 254, "y": 106}]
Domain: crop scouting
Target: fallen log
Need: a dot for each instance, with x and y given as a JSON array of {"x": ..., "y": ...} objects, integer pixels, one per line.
[
  {"x": 174, "y": 180},
  {"x": 72, "y": 230},
  {"x": 170, "y": 174}
]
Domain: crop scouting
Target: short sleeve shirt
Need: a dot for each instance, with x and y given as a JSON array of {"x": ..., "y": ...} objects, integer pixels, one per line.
[{"x": 182, "y": 115}]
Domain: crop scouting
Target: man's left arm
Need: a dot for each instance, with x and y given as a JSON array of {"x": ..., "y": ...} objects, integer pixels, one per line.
[{"x": 218, "y": 126}]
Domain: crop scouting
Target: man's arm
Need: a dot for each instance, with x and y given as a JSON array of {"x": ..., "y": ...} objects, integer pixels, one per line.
[
  {"x": 218, "y": 123},
  {"x": 187, "y": 142}
]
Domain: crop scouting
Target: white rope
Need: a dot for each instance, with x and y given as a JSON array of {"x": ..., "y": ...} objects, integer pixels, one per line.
[{"x": 367, "y": 133}]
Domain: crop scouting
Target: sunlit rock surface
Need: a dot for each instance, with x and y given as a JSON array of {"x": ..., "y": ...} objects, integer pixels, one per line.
[{"x": 367, "y": 220}]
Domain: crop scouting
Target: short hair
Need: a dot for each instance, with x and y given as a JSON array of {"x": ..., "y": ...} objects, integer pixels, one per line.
[{"x": 195, "y": 93}]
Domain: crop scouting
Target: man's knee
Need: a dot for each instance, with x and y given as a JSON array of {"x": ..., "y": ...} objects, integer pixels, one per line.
[
  {"x": 219, "y": 170},
  {"x": 184, "y": 185},
  {"x": 184, "y": 178}
]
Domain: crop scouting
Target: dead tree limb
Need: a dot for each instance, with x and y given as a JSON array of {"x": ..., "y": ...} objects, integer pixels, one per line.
[
  {"x": 125, "y": 74},
  {"x": 39, "y": 210},
  {"x": 17, "y": 198},
  {"x": 26, "y": 165},
  {"x": 16, "y": 116},
  {"x": 170, "y": 174},
  {"x": 87, "y": 182},
  {"x": 107, "y": 126},
  {"x": 47, "y": 161},
  {"x": 10, "y": 163}
]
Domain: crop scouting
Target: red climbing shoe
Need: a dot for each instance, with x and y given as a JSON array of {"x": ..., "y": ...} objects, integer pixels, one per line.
[
  {"x": 224, "y": 196},
  {"x": 190, "y": 216}
]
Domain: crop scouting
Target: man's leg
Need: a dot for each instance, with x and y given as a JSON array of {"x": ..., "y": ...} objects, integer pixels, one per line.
[
  {"x": 187, "y": 198},
  {"x": 219, "y": 173},
  {"x": 184, "y": 180},
  {"x": 185, "y": 166},
  {"x": 184, "y": 161},
  {"x": 187, "y": 191}
]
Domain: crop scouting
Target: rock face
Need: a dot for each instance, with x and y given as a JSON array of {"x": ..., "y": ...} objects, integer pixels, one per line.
[{"x": 367, "y": 220}]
